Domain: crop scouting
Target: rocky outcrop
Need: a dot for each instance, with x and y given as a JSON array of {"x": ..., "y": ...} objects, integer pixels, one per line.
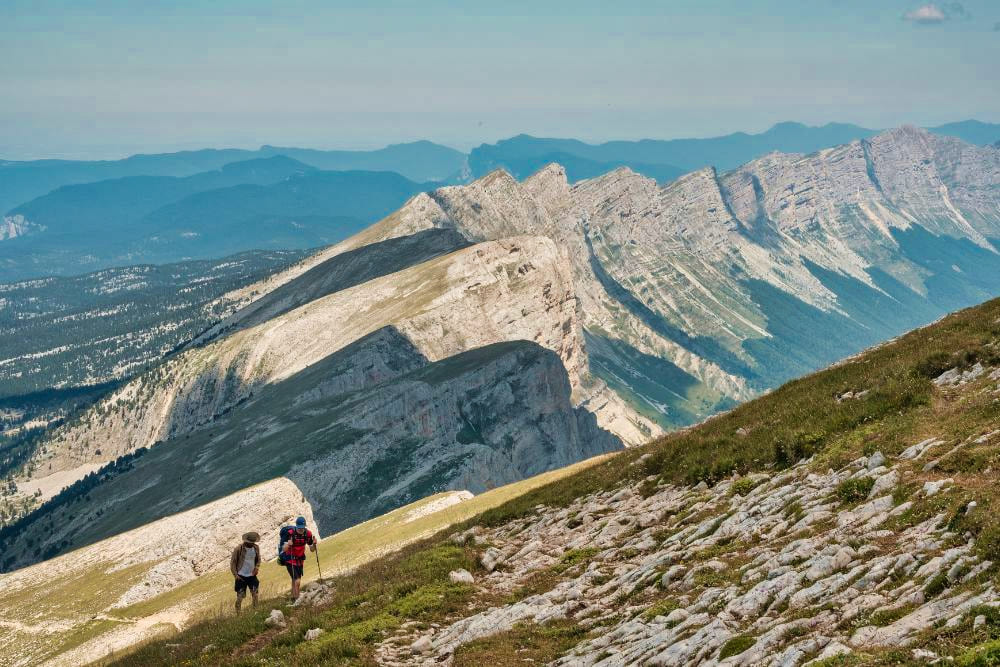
[
  {"x": 174, "y": 549},
  {"x": 516, "y": 288},
  {"x": 767, "y": 569},
  {"x": 368, "y": 429},
  {"x": 12, "y": 226}
]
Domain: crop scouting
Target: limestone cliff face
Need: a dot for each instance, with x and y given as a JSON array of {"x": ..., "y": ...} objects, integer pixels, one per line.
[
  {"x": 513, "y": 289},
  {"x": 939, "y": 179},
  {"x": 336, "y": 271},
  {"x": 171, "y": 556},
  {"x": 363, "y": 431},
  {"x": 514, "y": 419},
  {"x": 838, "y": 207},
  {"x": 687, "y": 290}
]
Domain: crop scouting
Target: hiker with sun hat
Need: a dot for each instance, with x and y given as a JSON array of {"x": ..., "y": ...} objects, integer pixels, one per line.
[{"x": 244, "y": 564}]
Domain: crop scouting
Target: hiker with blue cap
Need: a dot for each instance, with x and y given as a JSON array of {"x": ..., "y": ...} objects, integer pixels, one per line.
[{"x": 292, "y": 544}]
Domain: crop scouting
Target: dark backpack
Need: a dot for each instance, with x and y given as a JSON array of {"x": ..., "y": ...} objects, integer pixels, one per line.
[{"x": 284, "y": 536}]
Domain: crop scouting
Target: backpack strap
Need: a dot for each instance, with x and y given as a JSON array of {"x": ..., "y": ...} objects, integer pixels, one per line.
[{"x": 282, "y": 537}]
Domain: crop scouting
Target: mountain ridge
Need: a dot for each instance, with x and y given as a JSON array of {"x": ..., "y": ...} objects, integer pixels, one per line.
[
  {"x": 601, "y": 222},
  {"x": 865, "y": 209},
  {"x": 661, "y": 158},
  {"x": 665, "y": 304},
  {"x": 26, "y": 180},
  {"x": 265, "y": 203}
]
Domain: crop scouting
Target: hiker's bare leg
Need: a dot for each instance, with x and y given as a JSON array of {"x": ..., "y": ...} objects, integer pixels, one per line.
[
  {"x": 254, "y": 593},
  {"x": 295, "y": 588},
  {"x": 239, "y": 600}
]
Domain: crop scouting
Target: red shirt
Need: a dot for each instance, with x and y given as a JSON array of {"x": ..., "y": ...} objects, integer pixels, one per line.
[{"x": 295, "y": 546}]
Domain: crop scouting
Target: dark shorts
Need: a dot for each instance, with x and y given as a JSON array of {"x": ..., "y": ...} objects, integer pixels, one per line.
[
  {"x": 294, "y": 571},
  {"x": 243, "y": 583}
]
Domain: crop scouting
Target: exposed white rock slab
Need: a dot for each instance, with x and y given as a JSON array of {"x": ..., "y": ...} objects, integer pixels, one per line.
[{"x": 789, "y": 594}]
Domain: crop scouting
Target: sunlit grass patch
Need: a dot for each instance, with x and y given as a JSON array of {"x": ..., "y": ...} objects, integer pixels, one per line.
[{"x": 525, "y": 643}]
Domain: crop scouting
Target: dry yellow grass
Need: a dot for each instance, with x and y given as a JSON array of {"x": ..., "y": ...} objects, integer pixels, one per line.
[{"x": 83, "y": 629}]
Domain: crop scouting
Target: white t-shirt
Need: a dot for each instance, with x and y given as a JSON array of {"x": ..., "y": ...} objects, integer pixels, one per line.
[{"x": 249, "y": 559}]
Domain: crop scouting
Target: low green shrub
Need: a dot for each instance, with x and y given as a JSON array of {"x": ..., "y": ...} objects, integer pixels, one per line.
[
  {"x": 742, "y": 487},
  {"x": 573, "y": 557},
  {"x": 936, "y": 585},
  {"x": 854, "y": 490},
  {"x": 661, "y": 608},
  {"x": 984, "y": 655},
  {"x": 736, "y": 645}
]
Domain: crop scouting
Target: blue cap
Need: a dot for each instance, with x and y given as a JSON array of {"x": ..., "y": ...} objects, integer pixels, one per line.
[{"x": 300, "y": 522}]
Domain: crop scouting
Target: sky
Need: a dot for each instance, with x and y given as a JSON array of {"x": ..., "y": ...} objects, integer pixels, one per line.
[{"x": 107, "y": 78}]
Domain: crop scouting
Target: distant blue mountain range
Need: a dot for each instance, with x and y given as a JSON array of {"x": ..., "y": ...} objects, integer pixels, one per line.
[
  {"x": 664, "y": 160},
  {"x": 419, "y": 161},
  {"x": 71, "y": 217},
  {"x": 267, "y": 203}
]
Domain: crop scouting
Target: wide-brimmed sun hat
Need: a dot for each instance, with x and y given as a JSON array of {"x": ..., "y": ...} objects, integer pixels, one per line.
[{"x": 251, "y": 537}]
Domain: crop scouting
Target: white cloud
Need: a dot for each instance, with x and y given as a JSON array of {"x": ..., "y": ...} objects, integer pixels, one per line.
[{"x": 929, "y": 13}]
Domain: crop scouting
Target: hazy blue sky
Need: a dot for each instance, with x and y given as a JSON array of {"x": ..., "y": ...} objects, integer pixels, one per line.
[{"x": 119, "y": 77}]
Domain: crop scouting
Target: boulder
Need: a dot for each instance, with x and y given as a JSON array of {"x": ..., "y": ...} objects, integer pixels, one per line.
[
  {"x": 461, "y": 576},
  {"x": 884, "y": 484},
  {"x": 832, "y": 650},
  {"x": 677, "y": 616},
  {"x": 824, "y": 565},
  {"x": 673, "y": 574},
  {"x": 917, "y": 450},
  {"x": 490, "y": 559},
  {"x": 932, "y": 488},
  {"x": 422, "y": 645}
]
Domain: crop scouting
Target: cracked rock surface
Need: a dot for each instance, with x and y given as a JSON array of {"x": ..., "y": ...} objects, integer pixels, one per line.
[{"x": 670, "y": 576}]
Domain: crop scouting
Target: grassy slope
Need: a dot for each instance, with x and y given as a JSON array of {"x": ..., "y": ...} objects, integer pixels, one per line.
[
  {"x": 800, "y": 419},
  {"x": 59, "y": 606}
]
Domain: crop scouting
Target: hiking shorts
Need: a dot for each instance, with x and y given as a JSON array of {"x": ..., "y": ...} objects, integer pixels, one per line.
[
  {"x": 243, "y": 583},
  {"x": 294, "y": 571}
]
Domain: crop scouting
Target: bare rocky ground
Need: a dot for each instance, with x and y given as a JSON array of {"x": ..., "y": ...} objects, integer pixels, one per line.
[{"x": 783, "y": 569}]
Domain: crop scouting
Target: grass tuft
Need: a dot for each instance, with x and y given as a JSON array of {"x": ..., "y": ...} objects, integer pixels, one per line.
[
  {"x": 736, "y": 645},
  {"x": 525, "y": 643},
  {"x": 854, "y": 490}
]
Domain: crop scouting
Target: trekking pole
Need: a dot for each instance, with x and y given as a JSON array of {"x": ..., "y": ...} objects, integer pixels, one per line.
[{"x": 317, "y": 564}]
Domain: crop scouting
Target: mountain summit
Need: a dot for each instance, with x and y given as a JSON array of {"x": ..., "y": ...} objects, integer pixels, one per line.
[
  {"x": 660, "y": 304},
  {"x": 713, "y": 287}
]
